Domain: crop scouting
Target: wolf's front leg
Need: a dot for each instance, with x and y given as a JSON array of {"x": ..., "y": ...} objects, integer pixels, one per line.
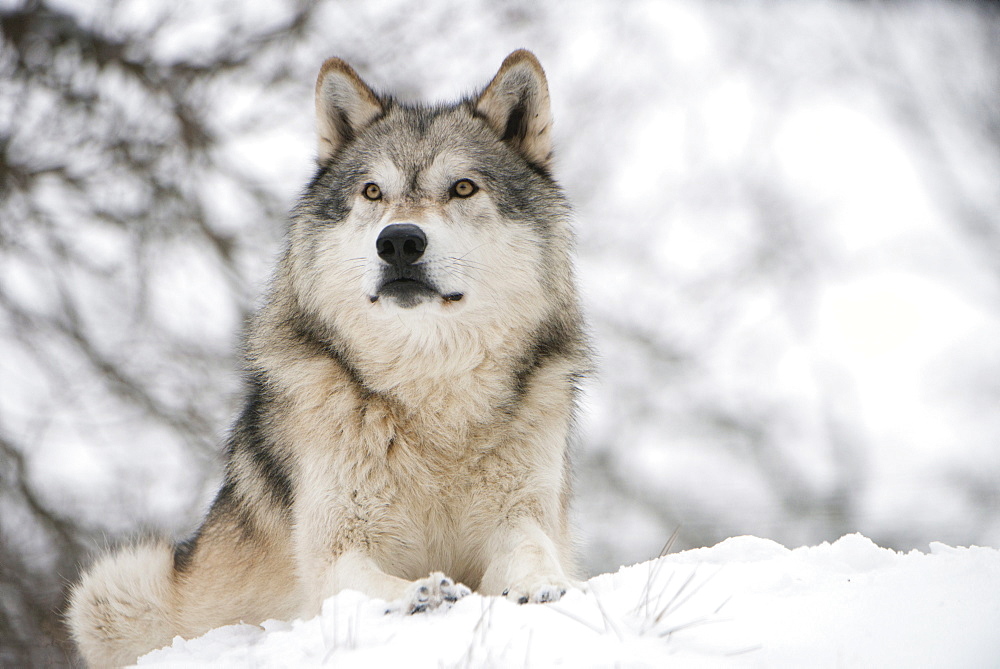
[
  {"x": 526, "y": 566},
  {"x": 354, "y": 570}
]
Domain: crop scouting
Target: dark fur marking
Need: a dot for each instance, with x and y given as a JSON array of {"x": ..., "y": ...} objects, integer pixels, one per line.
[
  {"x": 320, "y": 173},
  {"x": 344, "y": 127},
  {"x": 517, "y": 122},
  {"x": 250, "y": 436},
  {"x": 513, "y": 131},
  {"x": 552, "y": 340},
  {"x": 327, "y": 198},
  {"x": 184, "y": 553},
  {"x": 348, "y": 133},
  {"x": 309, "y": 332},
  {"x": 272, "y": 470},
  {"x": 224, "y": 506},
  {"x": 422, "y": 119},
  {"x": 228, "y": 505},
  {"x": 387, "y": 103},
  {"x": 537, "y": 168},
  {"x": 540, "y": 170}
]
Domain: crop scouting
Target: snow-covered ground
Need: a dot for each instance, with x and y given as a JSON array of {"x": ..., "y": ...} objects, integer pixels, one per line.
[{"x": 746, "y": 602}]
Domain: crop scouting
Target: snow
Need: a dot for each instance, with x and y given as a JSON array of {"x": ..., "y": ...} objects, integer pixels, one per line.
[{"x": 746, "y": 602}]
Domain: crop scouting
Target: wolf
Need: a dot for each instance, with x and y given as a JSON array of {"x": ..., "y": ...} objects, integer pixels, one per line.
[{"x": 411, "y": 383}]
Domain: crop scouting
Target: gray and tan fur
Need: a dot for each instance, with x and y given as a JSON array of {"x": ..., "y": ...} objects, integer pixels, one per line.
[{"x": 411, "y": 381}]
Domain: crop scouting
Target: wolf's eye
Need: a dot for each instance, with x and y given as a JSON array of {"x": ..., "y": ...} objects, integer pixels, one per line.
[
  {"x": 372, "y": 192},
  {"x": 463, "y": 188}
]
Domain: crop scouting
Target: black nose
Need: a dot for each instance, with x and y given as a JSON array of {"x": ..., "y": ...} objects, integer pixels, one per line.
[{"x": 401, "y": 244}]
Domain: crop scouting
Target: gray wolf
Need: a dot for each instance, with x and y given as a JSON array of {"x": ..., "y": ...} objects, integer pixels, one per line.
[{"x": 411, "y": 382}]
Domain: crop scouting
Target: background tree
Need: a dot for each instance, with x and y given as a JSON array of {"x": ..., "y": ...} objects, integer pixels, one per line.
[{"x": 112, "y": 168}]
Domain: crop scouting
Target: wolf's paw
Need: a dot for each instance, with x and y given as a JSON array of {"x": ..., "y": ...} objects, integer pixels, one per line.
[
  {"x": 538, "y": 591},
  {"x": 430, "y": 593}
]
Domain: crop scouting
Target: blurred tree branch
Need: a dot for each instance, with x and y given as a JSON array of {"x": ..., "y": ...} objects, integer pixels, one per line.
[{"x": 101, "y": 136}]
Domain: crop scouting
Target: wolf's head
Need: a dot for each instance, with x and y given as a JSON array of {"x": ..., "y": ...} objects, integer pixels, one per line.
[{"x": 436, "y": 227}]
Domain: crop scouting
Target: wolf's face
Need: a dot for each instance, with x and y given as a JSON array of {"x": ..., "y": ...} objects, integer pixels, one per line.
[
  {"x": 417, "y": 215},
  {"x": 425, "y": 221}
]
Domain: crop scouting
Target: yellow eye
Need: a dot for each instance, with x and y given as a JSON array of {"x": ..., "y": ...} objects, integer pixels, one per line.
[
  {"x": 463, "y": 188},
  {"x": 373, "y": 192}
]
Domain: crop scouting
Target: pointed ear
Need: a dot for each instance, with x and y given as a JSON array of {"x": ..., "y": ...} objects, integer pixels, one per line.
[
  {"x": 344, "y": 105},
  {"x": 516, "y": 104}
]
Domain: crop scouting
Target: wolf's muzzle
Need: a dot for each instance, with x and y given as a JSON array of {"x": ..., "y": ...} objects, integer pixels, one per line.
[{"x": 401, "y": 244}]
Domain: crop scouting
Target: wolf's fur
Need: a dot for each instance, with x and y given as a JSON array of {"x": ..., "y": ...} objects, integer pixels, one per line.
[{"x": 403, "y": 418}]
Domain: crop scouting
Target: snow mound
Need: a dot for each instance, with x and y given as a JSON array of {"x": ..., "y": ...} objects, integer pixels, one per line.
[{"x": 746, "y": 602}]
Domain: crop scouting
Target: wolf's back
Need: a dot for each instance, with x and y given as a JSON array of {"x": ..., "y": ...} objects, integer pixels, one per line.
[{"x": 123, "y": 606}]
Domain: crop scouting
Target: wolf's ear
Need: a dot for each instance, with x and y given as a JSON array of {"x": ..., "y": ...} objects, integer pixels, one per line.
[
  {"x": 516, "y": 104},
  {"x": 344, "y": 105}
]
